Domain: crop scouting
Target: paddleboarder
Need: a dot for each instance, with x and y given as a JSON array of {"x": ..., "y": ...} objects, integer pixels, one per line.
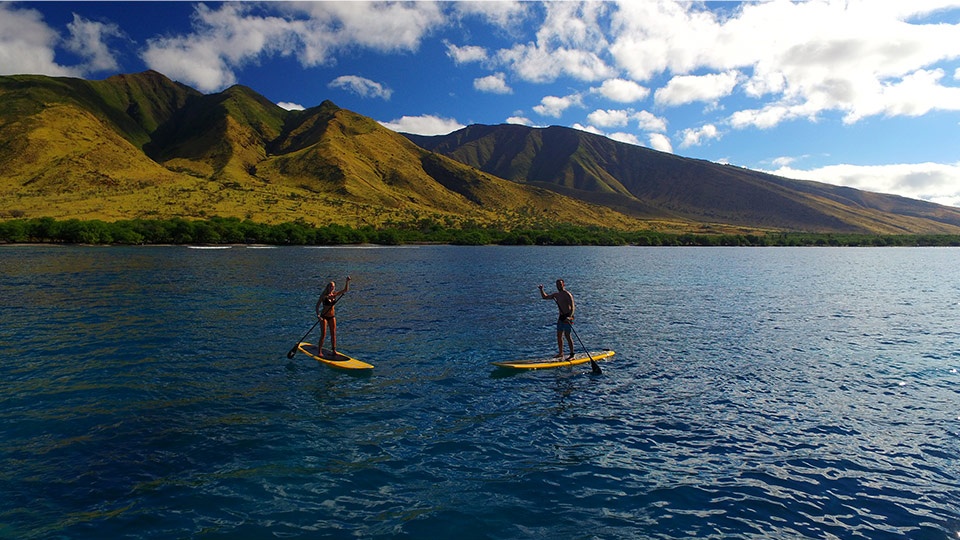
[
  {"x": 327, "y": 316},
  {"x": 565, "y": 304}
]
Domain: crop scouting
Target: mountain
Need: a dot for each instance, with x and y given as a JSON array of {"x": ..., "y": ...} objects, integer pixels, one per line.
[
  {"x": 649, "y": 184},
  {"x": 142, "y": 146}
]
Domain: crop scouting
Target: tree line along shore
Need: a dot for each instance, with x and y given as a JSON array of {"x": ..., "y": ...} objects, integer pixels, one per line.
[{"x": 223, "y": 231}]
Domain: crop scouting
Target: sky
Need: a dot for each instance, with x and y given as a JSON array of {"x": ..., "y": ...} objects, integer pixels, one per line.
[{"x": 860, "y": 93}]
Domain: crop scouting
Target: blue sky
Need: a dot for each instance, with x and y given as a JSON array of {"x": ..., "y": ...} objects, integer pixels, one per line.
[{"x": 863, "y": 93}]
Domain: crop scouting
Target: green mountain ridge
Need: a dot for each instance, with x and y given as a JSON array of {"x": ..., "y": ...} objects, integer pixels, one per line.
[
  {"x": 143, "y": 146},
  {"x": 649, "y": 184}
]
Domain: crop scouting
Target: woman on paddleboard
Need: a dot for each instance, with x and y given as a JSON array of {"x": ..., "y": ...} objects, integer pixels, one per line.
[
  {"x": 565, "y": 304},
  {"x": 327, "y": 315}
]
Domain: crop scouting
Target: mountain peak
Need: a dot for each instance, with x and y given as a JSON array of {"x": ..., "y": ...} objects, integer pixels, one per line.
[{"x": 142, "y": 145}]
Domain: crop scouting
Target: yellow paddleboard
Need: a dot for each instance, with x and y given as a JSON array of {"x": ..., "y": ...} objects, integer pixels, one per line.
[
  {"x": 544, "y": 363},
  {"x": 341, "y": 361}
]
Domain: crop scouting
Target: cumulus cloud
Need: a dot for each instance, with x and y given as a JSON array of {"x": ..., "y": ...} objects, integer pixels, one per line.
[
  {"x": 494, "y": 84},
  {"x": 519, "y": 120},
  {"x": 690, "y": 88},
  {"x": 466, "y": 54},
  {"x": 648, "y": 121},
  {"x": 27, "y": 44},
  {"x": 799, "y": 59},
  {"x": 328, "y": 27},
  {"x": 588, "y": 129},
  {"x": 569, "y": 43},
  {"x": 506, "y": 15},
  {"x": 554, "y": 106},
  {"x": 88, "y": 39},
  {"x": 622, "y": 90},
  {"x": 934, "y": 182},
  {"x": 423, "y": 125},
  {"x": 291, "y": 106},
  {"x": 235, "y": 34},
  {"x": 540, "y": 64},
  {"x": 697, "y": 136},
  {"x": 609, "y": 118},
  {"x": 659, "y": 141},
  {"x": 361, "y": 86},
  {"x": 628, "y": 138}
]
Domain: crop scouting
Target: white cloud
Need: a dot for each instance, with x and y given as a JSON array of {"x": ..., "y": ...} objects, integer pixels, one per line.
[
  {"x": 696, "y": 137},
  {"x": 88, "y": 40},
  {"x": 520, "y": 120},
  {"x": 569, "y": 43},
  {"x": 541, "y": 65},
  {"x": 27, "y": 44},
  {"x": 690, "y": 88},
  {"x": 799, "y": 59},
  {"x": 192, "y": 62},
  {"x": 915, "y": 95},
  {"x": 223, "y": 40},
  {"x": 628, "y": 138},
  {"x": 423, "y": 125},
  {"x": 648, "y": 121},
  {"x": 507, "y": 15},
  {"x": 934, "y": 182},
  {"x": 494, "y": 84},
  {"x": 290, "y": 106},
  {"x": 609, "y": 118},
  {"x": 466, "y": 54},
  {"x": 622, "y": 90},
  {"x": 588, "y": 129},
  {"x": 555, "y": 106},
  {"x": 380, "y": 26},
  {"x": 659, "y": 141},
  {"x": 783, "y": 161},
  {"x": 765, "y": 118},
  {"x": 361, "y": 86},
  {"x": 238, "y": 33}
]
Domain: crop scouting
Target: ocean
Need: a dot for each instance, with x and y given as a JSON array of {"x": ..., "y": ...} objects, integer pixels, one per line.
[{"x": 145, "y": 392}]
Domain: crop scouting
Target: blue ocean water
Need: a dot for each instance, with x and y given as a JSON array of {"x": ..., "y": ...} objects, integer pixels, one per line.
[{"x": 145, "y": 392}]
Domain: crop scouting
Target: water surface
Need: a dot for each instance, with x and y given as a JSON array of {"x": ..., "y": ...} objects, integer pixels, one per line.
[{"x": 145, "y": 392}]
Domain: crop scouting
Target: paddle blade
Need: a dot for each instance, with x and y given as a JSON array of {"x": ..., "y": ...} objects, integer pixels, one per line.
[
  {"x": 292, "y": 352},
  {"x": 595, "y": 367}
]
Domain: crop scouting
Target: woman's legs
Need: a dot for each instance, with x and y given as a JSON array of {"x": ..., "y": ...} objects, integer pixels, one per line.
[
  {"x": 333, "y": 335},
  {"x": 323, "y": 336}
]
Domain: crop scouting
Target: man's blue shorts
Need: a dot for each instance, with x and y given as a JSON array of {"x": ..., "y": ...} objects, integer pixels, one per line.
[{"x": 564, "y": 326}]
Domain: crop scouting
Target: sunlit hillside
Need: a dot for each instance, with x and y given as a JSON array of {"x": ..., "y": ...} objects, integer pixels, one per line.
[
  {"x": 140, "y": 146},
  {"x": 143, "y": 146},
  {"x": 649, "y": 184}
]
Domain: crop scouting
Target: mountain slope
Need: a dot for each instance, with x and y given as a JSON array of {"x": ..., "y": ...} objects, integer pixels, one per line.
[
  {"x": 650, "y": 184},
  {"x": 144, "y": 146}
]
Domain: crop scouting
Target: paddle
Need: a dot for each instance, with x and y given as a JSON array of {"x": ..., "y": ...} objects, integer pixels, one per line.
[
  {"x": 293, "y": 351},
  {"x": 594, "y": 366}
]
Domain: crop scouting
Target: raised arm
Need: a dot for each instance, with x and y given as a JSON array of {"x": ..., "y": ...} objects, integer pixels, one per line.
[
  {"x": 544, "y": 295},
  {"x": 347, "y": 286}
]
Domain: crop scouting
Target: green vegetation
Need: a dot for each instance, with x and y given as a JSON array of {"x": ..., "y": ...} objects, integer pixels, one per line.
[{"x": 218, "y": 230}]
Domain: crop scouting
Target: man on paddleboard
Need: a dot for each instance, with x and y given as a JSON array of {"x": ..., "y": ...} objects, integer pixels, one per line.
[{"x": 565, "y": 304}]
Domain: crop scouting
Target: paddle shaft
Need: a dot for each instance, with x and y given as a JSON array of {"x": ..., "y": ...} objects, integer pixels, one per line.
[
  {"x": 293, "y": 351},
  {"x": 593, "y": 363}
]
